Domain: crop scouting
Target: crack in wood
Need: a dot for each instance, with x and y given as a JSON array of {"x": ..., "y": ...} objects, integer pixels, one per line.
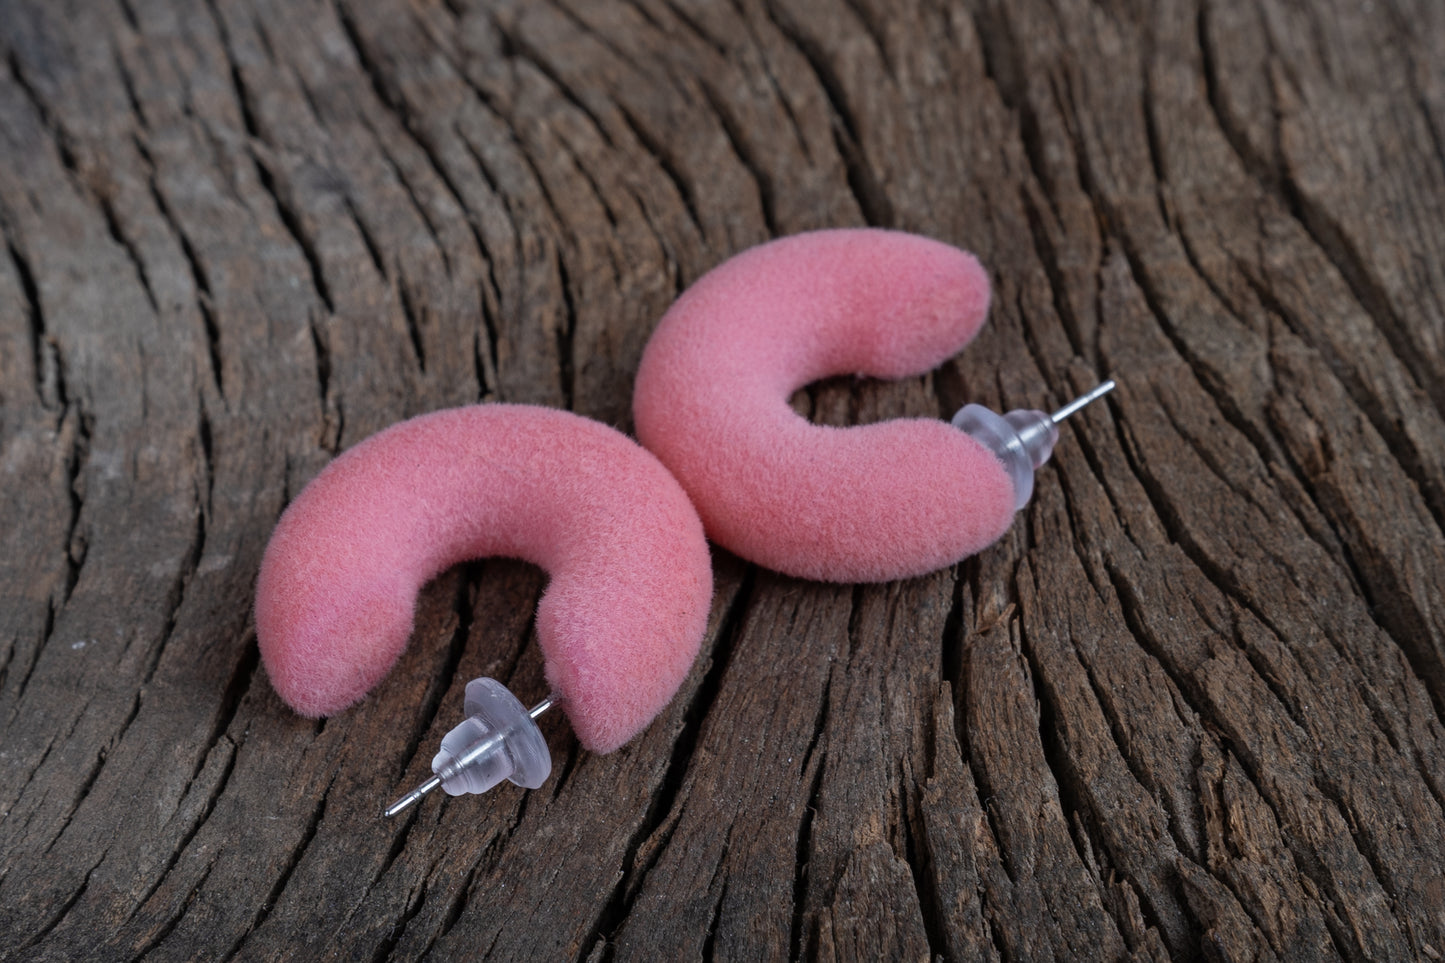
[
  {"x": 656, "y": 828},
  {"x": 112, "y": 223},
  {"x": 87, "y": 781},
  {"x": 737, "y": 142},
  {"x": 415, "y": 320},
  {"x": 76, "y": 428},
  {"x": 914, "y": 856},
  {"x": 213, "y": 795},
  {"x": 950, "y": 662},
  {"x": 565, "y": 333},
  {"x": 368, "y": 240},
  {"x": 386, "y": 948},
  {"x": 801, "y": 939},
  {"x": 1048, "y": 259},
  {"x": 64, "y": 909},
  {"x": 411, "y": 191},
  {"x": 868, "y": 191},
  {"x": 45, "y": 351},
  {"x": 454, "y": 909},
  {"x": 168, "y": 926},
  {"x": 295, "y": 223},
  {"x": 709, "y": 945},
  {"x": 687, "y": 19},
  {"x": 784, "y": 101},
  {"x": 666, "y": 157},
  {"x": 288, "y": 868},
  {"x": 199, "y": 277}
]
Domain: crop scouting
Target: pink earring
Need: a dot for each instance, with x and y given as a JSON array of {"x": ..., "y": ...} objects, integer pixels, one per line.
[
  {"x": 861, "y": 504},
  {"x": 620, "y": 623}
]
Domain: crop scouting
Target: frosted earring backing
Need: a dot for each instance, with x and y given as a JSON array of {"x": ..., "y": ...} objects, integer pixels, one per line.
[
  {"x": 498, "y": 739},
  {"x": 1023, "y": 439}
]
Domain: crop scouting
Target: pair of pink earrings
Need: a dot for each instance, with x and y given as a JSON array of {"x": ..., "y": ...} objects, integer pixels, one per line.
[{"x": 619, "y": 527}]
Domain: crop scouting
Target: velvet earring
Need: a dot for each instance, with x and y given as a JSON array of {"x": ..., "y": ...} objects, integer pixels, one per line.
[
  {"x": 860, "y": 504},
  {"x": 631, "y": 579}
]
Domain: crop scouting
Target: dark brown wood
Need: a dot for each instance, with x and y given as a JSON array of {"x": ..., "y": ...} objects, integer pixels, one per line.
[{"x": 1190, "y": 707}]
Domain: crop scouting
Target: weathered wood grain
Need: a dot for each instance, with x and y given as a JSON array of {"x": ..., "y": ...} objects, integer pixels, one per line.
[{"x": 1190, "y": 707}]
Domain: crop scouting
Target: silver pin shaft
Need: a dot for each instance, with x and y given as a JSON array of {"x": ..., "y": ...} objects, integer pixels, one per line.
[
  {"x": 413, "y": 796},
  {"x": 547, "y": 703},
  {"x": 1084, "y": 399}
]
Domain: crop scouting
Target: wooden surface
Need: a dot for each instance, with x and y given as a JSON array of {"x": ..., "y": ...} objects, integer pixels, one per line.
[{"x": 1188, "y": 708}]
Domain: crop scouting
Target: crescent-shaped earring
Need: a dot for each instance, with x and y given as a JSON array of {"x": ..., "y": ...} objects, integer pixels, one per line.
[
  {"x": 860, "y": 504},
  {"x": 619, "y": 625}
]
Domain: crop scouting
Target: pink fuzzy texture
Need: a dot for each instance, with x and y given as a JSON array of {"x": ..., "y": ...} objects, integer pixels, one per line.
[
  {"x": 860, "y": 504},
  {"x": 631, "y": 580}
]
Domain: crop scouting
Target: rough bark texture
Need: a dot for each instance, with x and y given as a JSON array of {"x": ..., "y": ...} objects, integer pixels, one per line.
[{"x": 1189, "y": 708}]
